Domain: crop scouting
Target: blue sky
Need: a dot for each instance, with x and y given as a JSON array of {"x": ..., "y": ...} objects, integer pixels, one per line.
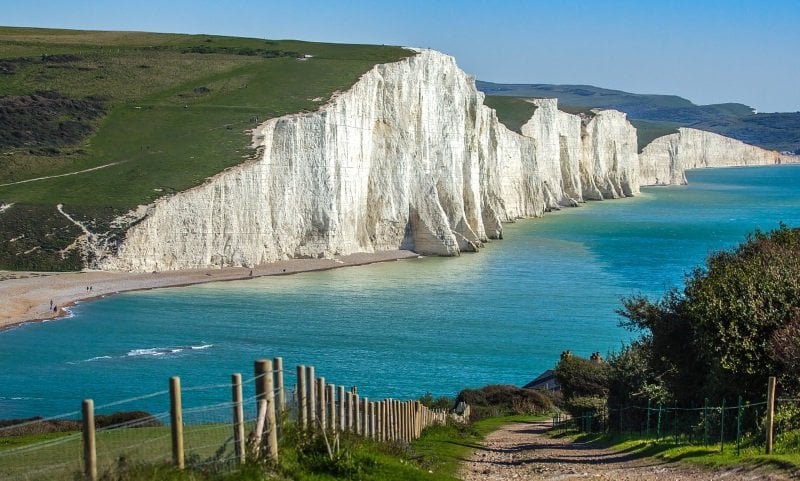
[{"x": 707, "y": 51}]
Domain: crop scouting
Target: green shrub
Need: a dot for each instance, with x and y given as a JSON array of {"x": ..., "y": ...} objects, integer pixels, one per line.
[
  {"x": 581, "y": 377},
  {"x": 502, "y": 400},
  {"x": 733, "y": 325},
  {"x": 442, "y": 402}
]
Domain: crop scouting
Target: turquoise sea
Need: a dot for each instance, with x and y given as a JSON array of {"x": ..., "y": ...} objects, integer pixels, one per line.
[{"x": 401, "y": 329}]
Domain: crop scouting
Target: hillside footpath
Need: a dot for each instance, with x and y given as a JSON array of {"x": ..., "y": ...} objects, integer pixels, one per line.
[{"x": 523, "y": 451}]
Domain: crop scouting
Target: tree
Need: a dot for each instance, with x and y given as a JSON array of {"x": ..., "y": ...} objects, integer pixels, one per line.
[
  {"x": 580, "y": 377},
  {"x": 718, "y": 337}
]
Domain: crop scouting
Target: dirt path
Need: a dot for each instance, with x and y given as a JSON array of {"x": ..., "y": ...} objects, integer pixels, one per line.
[
  {"x": 61, "y": 175},
  {"x": 520, "y": 451}
]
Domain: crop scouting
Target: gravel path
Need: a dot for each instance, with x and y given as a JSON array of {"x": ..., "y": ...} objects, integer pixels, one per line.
[{"x": 522, "y": 451}]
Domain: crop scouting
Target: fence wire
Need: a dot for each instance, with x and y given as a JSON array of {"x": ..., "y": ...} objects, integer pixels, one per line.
[
  {"x": 129, "y": 437},
  {"x": 740, "y": 426},
  {"x": 138, "y": 430}
]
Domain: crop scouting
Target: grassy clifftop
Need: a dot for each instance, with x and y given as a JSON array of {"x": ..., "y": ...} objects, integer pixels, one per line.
[{"x": 132, "y": 116}]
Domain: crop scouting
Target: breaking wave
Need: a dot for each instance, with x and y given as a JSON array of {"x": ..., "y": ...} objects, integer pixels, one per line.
[
  {"x": 150, "y": 351},
  {"x": 91, "y": 359},
  {"x": 163, "y": 351}
]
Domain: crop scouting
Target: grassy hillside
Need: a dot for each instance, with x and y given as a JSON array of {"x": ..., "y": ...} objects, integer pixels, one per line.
[
  {"x": 151, "y": 114},
  {"x": 648, "y": 130},
  {"x": 513, "y": 112},
  {"x": 664, "y": 113}
]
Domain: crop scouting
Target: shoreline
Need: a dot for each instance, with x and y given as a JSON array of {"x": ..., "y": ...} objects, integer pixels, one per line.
[{"x": 29, "y": 294}]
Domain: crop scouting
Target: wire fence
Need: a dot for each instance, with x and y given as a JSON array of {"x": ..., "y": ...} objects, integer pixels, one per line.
[
  {"x": 216, "y": 436},
  {"x": 740, "y": 426}
]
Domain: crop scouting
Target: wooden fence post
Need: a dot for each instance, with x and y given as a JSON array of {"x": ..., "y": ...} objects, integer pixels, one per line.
[
  {"x": 356, "y": 415},
  {"x": 258, "y": 432},
  {"x": 374, "y": 420},
  {"x": 272, "y": 425},
  {"x": 330, "y": 396},
  {"x": 280, "y": 408},
  {"x": 238, "y": 417},
  {"x": 393, "y": 420},
  {"x": 321, "y": 403},
  {"x": 302, "y": 412},
  {"x": 312, "y": 398},
  {"x": 259, "y": 368},
  {"x": 350, "y": 412},
  {"x": 89, "y": 441},
  {"x": 176, "y": 419},
  {"x": 770, "y": 412},
  {"x": 342, "y": 419},
  {"x": 381, "y": 430},
  {"x": 417, "y": 419},
  {"x": 401, "y": 407},
  {"x": 365, "y": 431},
  {"x": 410, "y": 420},
  {"x": 371, "y": 411}
]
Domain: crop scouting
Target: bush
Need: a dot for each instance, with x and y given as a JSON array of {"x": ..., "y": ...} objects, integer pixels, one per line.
[
  {"x": 593, "y": 410},
  {"x": 503, "y": 400},
  {"x": 39, "y": 425},
  {"x": 46, "y": 119},
  {"x": 580, "y": 377},
  {"x": 442, "y": 402},
  {"x": 733, "y": 325}
]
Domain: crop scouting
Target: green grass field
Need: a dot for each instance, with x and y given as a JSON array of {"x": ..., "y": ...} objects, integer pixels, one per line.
[
  {"x": 436, "y": 456},
  {"x": 59, "y": 455},
  {"x": 178, "y": 110}
]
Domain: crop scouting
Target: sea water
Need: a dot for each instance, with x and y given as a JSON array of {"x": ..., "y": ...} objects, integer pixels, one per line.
[{"x": 401, "y": 329}]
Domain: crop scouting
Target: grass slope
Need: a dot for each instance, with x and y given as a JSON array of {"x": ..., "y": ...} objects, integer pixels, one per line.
[
  {"x": 177, "y": 110},
  {"x": 513, "y": 112},
  {"x": 776, "y": 131},
  {"x": 143, "y": 453},
  {"x": 711, "y": 456}
]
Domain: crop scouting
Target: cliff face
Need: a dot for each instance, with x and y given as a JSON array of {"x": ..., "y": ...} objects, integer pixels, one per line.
[
  {"x": 665, "y": 160},
  {"x": 408, "y": 158}
]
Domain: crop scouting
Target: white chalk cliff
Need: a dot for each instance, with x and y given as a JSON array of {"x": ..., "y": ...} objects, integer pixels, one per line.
[
  {"x": 665, "y": 160},
  {"x": 408, "y": 158}
]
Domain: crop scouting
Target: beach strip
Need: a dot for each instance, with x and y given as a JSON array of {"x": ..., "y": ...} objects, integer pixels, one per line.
[{"x": 35, "y": 296}]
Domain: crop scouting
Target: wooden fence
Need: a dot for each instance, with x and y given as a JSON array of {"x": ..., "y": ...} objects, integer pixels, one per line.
[
  {"x": 741, "y": 424},
  {"x": 315, "y": 406}
]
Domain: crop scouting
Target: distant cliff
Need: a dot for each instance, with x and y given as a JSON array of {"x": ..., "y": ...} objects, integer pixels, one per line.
[
  {"x": 408, "y": 158},
  {"x": 666, "y": 159}
]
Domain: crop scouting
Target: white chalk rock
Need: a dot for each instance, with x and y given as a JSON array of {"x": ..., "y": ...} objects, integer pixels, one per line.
[{"x": 664, "y": 161}]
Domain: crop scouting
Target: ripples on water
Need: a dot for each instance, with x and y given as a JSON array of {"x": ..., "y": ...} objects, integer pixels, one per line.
[{"x": 403, "y": 328}]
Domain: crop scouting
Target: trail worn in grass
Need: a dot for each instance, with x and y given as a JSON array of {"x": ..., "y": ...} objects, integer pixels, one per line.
[{"x": 524, "y": 451}]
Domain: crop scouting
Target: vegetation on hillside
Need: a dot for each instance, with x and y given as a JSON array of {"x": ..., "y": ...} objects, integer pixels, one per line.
[
  {"x": 734, "y": 324},
  {"x": 776, "y": 131},
  {"x": 513, "y": 112},
  {"x": 304, "y": 455},
  {"x": 730, "y": 327},
  {"x": 647, "y": 131},
  {"x": 154, "y": 114},
  {"x": 504, "y": 400}
]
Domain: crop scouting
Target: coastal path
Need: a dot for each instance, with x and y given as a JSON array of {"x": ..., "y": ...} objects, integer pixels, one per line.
[{"x": 522, "y": 451}]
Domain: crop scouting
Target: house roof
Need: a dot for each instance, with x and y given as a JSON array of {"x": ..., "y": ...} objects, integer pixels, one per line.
[{"x": 545, "y": 380}]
